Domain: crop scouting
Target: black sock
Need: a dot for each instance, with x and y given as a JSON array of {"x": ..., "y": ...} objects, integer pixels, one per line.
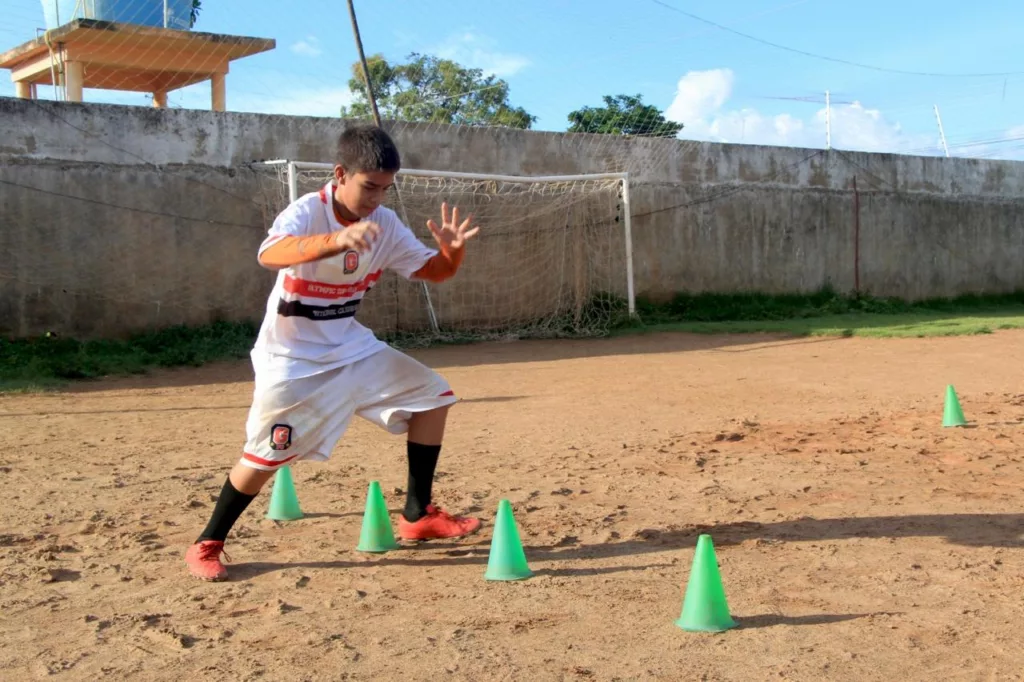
[
  {"x": 229, "y": 507},
  {"x": 422, "y": 462}
]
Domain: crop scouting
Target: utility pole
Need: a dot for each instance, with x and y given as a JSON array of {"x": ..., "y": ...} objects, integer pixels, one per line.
[
  {"x": 942, "y": 134},
  {"x": 362, "y": 59},
  {"x": 828, "y": 121}
]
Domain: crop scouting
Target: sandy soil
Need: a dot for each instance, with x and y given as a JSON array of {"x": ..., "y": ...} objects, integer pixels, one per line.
[{"x": 857, "y": 538}]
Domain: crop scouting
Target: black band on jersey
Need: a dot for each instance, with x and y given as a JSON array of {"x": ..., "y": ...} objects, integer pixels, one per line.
[{"x": 317, "y": 312}]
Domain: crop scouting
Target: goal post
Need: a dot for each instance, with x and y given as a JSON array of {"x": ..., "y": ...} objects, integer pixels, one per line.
[{"x": 554, "y": 256}]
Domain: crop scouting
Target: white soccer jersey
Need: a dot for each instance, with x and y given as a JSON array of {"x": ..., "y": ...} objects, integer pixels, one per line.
[{"x": 310, "y": 324}]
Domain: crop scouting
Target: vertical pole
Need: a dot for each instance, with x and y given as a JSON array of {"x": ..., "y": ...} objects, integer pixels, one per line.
[
  {"x": 74, "y": 74},
  {"x": 828, "y": 121},
  {"x": 942, "y": 133},
  {"x": 627, "y": 226},
  {"x": 23, "y": 90},
  {"x": 293, "y": 183},
  {"x": 856, "y": 237},
  {"x": 160, "y": 100},
  {"x": 218, "y": 92}
]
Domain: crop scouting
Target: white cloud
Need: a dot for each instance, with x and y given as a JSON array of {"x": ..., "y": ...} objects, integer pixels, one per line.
[
  {"x": 700, "y": 93},
  {"x": 476, "y": 51},
  {"x": 308, "y": 47},
  {"x": 700, "y": 104},
  {"x": 296, "y": 101}
]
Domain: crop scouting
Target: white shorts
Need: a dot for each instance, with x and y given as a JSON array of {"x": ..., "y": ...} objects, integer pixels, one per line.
[{"x": 302, "y": 419}]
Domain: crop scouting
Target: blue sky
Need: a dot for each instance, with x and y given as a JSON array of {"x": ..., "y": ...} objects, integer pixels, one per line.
[{"x": 560, "y": 55}]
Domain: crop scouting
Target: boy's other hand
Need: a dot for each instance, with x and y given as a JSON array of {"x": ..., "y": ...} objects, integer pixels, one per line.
[
  {"x": 452, "y": 235},
  {"x": 358, "y": 237}
]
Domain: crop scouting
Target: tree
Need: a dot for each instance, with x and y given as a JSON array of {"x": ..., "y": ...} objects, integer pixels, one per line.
[
  {"x": 433, "y": 90},
  {"x": 623, "y": 115},
  {"x": 193, "y": 15}
]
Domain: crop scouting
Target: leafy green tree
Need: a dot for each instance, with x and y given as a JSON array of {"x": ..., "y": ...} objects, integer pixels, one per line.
[
  {"x": 429, "y": 89},
  {"x": 623, "y": 115}
]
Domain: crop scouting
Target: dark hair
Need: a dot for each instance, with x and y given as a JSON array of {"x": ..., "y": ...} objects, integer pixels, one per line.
[{"x": 367, "y": 149}]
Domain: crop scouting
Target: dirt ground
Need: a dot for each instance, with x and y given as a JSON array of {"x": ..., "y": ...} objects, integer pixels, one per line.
[{"x": 857, "y": 538}]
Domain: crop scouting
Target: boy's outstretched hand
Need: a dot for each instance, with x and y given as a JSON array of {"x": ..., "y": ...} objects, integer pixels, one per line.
[{"x": 452, "y": 235}]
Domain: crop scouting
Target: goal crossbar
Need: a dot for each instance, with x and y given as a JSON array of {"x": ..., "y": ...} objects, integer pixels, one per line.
[{"x": 458, "y": 175}]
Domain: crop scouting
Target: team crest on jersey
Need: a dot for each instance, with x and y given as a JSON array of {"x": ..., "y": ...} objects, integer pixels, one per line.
[
  {"x": 351, "y": 262},
  {"x": 280, "y": 437}
]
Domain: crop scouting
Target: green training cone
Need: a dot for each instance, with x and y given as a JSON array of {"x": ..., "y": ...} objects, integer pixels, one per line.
[
  {"x": 284, "y": 503},
  {"x": 704, "y": 607},
  {"x": 507, "y": 561},
  {"x": 952, "y": 415},
  {"x": 377, "y": 534}
]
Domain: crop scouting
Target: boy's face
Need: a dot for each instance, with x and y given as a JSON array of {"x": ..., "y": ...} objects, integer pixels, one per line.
[{"x": 361, "y": 193}]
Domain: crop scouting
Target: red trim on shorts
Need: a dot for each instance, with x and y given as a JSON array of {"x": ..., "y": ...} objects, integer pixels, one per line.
[
  {"x": 266, "y": 462},
  {"x": 446, "y": 394}
]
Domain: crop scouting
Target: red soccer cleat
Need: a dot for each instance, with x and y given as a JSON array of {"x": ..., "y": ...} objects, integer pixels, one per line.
[
  {"x": 203, "y": 559},
  {"x": 437, "y": 524}
]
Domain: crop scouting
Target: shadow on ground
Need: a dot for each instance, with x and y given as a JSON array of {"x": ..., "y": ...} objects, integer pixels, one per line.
[{"x": 971, "y": 530}]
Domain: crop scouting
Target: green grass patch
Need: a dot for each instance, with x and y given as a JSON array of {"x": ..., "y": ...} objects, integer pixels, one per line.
[
  {"x": 826, "y": 313},
  {"x": 50, "y": 361},
  {"x": 877, "y": 325}
]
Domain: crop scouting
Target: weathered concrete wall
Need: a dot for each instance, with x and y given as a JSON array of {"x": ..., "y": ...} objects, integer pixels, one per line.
[
  {"x": 151, "y": 217},
  {"x": 102, "y": 249},
  {"x": 139, "y": 135}
]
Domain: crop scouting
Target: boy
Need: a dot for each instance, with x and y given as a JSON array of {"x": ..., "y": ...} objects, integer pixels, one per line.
[{"x": 316, "y": 367}]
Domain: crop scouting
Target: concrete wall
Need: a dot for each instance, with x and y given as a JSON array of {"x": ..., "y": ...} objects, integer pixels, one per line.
[{"x": 114, "y": 219}]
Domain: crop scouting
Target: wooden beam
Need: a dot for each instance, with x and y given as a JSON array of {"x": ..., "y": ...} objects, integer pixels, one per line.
[
  {"x": 160, "y": 100},
  {"x": 218, "y": 92},
  {"x": 31, "y": 70},
  {"x": 37, "y": 69},
  {"x": 74, "y": 77},
  {"x": 23, "y": 89},
  {"x": 144, "y": 58}
]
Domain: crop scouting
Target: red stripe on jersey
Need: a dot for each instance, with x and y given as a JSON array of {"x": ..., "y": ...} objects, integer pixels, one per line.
[
  {"x": 307, "y": 287},
  {"x": 266, "y": 462},
  {"x": 334, "y": 207},
  {"x": 446, "y": 393}
]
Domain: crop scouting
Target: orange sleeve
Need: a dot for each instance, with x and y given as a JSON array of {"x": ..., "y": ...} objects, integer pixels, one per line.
[
  {"x": 289, "y": 251},
  {"x": 441, "y": 266}
]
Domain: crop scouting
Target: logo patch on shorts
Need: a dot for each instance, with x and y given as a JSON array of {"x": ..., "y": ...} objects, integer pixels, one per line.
[
  {"x": 351, "y": 262},
  {"x": 280, "y": 437}
]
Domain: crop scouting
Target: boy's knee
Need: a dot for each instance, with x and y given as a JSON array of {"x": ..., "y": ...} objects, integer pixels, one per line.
[
  {"x": 431, "y": 416},
  {"x": 428, "y": 427},
  {"x": 247, "y": 479}
]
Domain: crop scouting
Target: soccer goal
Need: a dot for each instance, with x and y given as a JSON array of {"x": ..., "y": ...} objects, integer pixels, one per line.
[{"x": 553, "y": 257}]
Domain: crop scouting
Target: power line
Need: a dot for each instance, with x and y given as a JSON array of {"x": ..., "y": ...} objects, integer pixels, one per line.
[{"x": 831, "y": 59}]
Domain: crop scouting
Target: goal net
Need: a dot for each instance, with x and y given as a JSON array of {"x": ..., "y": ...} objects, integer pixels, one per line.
[{"x": 552, "y": 259}]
